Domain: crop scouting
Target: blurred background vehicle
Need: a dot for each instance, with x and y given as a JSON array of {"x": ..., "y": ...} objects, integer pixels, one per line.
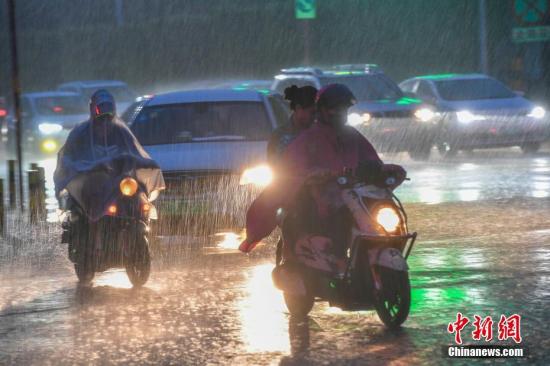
[
  {"x": 211, "y": 146},
  {"x": 479, "y": 111},
  {"x": 47, "y": 119},
  {"x": 390, "y": 120},
  {"x": 124, "y": 96}
]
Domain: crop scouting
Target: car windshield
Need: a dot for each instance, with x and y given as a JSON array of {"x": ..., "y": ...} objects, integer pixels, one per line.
[
  {"x": 60, "y": 105},
  {"x": 130, "y": 112},
  {"x": 367, "y": 87},
  {"x": 472, "y": 89},
  {"x": 202, "y": 122},
  {"x": 120, "y": 93}
]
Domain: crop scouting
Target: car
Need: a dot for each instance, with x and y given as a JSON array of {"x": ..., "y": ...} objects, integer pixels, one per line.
[
  {"x": 47, "y": 118},
  {"x": 478, "y": 112},
  {"x": 390, "y": 120},
  {"x": 211, "y": 146},
  {"x": 124, "y": 96}
]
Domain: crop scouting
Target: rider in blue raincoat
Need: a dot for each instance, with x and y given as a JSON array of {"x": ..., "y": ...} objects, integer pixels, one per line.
[{"x": 99, "y": 142}]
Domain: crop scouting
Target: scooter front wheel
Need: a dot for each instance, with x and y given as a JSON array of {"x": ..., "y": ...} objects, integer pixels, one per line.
[
  {"x": 393, "y": 300},
  {"x": 138, "y": 267},
  {"x": 83, "y": 255}
]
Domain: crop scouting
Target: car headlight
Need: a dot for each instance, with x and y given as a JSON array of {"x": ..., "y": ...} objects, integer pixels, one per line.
[
  {"x": 537, "y": 112},
  {"x": 128, "y": 186},
  {"x": 260, "y": 176},
  {"x": 424, "y": 114},
  {"x": 356, "y": 119},
  {"x": 48, "y": 146},
  {"x": 467, "y": 117},
  {"x": 49, "y": 128},
  {"x": 388, "y": 218}
]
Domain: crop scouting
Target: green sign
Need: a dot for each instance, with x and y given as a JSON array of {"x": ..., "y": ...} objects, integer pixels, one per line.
[
  {"x": 305, "y": 9},
  {"x": 531, "y": 18},
  {"x": 531, "y": 34}
]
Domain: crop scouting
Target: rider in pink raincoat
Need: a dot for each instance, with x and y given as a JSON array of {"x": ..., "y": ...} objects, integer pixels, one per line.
[{"x": 327, "y": 148}]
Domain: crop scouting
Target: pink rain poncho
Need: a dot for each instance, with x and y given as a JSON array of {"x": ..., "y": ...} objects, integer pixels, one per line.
[{"x": 320, "y": 149}]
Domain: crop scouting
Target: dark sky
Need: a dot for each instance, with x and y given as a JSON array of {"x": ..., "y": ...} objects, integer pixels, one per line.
[{"x": 168, "y": 41}]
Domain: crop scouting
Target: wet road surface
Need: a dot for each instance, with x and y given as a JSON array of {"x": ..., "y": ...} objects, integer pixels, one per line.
[{"x": 484, "y": 249}]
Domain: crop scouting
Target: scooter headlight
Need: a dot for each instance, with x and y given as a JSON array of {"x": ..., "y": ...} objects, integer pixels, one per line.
[
  {"x": 260, "y": 176},
  {"x": 128, "y": 186},
  {"x": 388, "y": 218}
]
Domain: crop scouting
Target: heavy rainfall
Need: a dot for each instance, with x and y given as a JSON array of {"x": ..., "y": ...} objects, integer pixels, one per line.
[{"x": 102, "y": 265}]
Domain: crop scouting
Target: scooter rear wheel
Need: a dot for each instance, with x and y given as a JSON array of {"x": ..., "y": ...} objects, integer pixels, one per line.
[
  {"x": 299, "y": 306},
  {"x": 393, "y": 301}
]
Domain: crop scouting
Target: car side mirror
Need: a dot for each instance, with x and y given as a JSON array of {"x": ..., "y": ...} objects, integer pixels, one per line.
[{"x": 410, "y": 95}]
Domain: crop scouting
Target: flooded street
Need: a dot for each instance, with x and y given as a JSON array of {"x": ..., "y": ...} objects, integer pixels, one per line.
[{"x": 483, "y": 249}]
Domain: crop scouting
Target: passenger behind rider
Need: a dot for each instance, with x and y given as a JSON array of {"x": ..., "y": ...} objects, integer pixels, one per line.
[{"x": 302, "y": 104}]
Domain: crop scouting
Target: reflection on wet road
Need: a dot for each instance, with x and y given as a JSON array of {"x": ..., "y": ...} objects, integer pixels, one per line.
[
  {"x": 484, "y": 249},
  {"x": 225, "y": 310},
  {"x": 477, "y": 179}
]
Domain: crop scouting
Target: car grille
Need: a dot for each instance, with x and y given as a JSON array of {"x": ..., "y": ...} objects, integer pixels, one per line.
[{"x": 197, "y": 182}]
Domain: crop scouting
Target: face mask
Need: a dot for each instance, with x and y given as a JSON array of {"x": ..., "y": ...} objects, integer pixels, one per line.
[
  {"x": 336, "y": 117},
  {"x": 103, "y": 119}
]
